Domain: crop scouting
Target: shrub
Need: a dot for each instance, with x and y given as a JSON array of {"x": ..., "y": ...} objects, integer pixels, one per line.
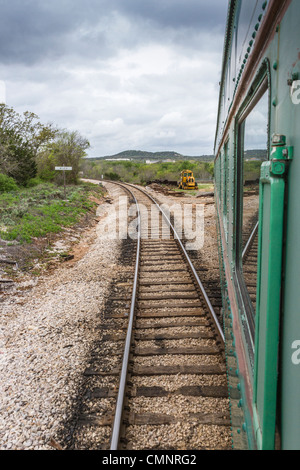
[
  {"x": 7, "y": 184},
  {"x": 112, "y": 176},
  {"x": 34, "y": 182}
]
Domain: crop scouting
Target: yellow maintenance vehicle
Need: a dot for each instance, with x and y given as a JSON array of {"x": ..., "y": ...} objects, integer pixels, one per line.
[{"x": 187, "y": 180}]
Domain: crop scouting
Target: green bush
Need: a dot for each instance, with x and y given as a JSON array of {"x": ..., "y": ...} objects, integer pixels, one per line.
[
  {"x": 7, "y": 184},
  {"x": 46, "y": 174},
  {"x": 34, "y": 182},
  {"x": 112, "y": 176}
]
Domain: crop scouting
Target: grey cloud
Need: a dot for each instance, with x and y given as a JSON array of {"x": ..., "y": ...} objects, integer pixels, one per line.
[
  {"x": 98, "y": 67},
  {"x": 177, "y": 13},
  {"x": 34, "y": 30}
]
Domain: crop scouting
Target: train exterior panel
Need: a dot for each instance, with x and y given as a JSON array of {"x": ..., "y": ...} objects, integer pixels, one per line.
[{"x": 257, "y": 178}]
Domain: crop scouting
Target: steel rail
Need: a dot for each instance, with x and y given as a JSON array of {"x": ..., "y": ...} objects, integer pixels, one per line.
[
  {"x": 197, "y": 279},
  {"x": 250, "y": 241},
  {"x": 124, "y": 371}
]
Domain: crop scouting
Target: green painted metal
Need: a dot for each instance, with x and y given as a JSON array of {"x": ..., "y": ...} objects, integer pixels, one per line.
[
  {"x": 271, "y": 223},
  {"x": 241, "y": 433},
  {"x": 241, "y": 30},
  {"x": 273, "y": 409}
]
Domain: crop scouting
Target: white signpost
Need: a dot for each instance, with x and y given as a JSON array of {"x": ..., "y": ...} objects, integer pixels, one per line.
[{"x": 64, "y": 169}]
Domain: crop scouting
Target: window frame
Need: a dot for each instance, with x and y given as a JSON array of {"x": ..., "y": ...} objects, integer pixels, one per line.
[{"x": 260, "y": 86}]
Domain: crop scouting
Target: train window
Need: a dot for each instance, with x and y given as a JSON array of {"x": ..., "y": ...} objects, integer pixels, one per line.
[
  {"x": 218, "y": 177},
  {"x": 253, "y": 151},
  {"x": 226, "y": 179}
]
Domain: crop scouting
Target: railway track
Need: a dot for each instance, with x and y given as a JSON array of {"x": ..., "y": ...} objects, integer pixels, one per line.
[
  {"x": 166, "y": 387},
  {"x": 249, "y": 256}
]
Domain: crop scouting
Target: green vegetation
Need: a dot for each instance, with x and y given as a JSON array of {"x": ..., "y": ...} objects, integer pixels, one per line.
[
  {"x": 206, "y": 187},
  {"x": 138, "y": 171},
  {"x": 142, "y": 156},
  {"x": 252, "y": 170},
  {"x": 37, "y": 211},
  {"x": 21, "y": 138},
  {"x": 30, "y": 149},
  {"x": 141, "y": 173},
  {"x": 66, "y": 149},
  {"x": 32, "y": 204},
  {"x": 7, "y": 184},
  {"x": 202, "y": 187}
]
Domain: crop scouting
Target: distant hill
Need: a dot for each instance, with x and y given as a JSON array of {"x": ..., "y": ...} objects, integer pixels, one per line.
[
  {"x": 140, "y": 155},
  {"x": 261, "y": 155}
]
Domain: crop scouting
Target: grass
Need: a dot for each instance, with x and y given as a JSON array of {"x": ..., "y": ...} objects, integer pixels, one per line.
[
  {"x": 35, "y": 212},
  {"x": 191, "y": 192},
  {"x": 207, "y": 187}
]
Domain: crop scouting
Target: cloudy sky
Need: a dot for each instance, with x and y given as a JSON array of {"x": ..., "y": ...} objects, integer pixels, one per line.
[{"x": 127, "y": 74}]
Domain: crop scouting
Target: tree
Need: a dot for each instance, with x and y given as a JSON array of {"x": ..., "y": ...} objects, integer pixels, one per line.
[
  {"x": 21, "y": 138},
  {"x": 24, "y": 158},
  {"x": 68, "y": 149},
  {"x": 210, "y": 168}
]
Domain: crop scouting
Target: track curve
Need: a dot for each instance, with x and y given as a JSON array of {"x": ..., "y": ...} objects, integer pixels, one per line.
[{"x": 174, "y": 350}]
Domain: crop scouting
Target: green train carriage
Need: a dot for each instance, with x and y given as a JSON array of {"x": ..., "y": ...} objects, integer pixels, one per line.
[{"x": 257, "y": 179}]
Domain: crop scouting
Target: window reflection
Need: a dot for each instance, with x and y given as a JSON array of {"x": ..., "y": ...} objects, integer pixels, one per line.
[{"x": 255, "y": 152}]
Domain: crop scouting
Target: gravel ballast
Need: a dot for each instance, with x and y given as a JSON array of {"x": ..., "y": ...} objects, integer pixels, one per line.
[
  {"x": 47, "y": 327},
  {"x": 50, "y": 328}
]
